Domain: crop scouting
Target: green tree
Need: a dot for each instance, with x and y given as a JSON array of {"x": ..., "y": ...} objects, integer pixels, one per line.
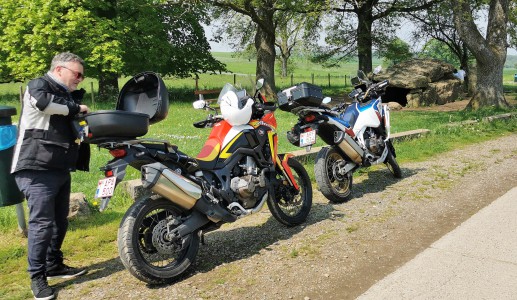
[
  {"x": 114, "y": 37},
  {"x": 264, "y": 17},
  {"x": 435, "y": 25},
  {"x": 352, "y": 31},
  {"x": 436, "y": 49},
  {"x": 294, "y": 30},
  {"x": 396, "y": 51},
  {"x": 512, "y": 16},
  {"x": 489, "y": 51}
]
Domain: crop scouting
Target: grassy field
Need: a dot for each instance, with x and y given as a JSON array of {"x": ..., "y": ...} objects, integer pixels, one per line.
[{"x": 92, "y": 240}]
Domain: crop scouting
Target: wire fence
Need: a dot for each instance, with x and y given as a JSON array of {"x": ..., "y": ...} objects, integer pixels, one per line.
[
  {"x": 323, "y": 80},
  {"x": 187, "y": 89}
]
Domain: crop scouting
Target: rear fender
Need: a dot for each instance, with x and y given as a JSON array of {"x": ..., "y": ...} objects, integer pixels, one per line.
[{"x": 118, "y": 167}]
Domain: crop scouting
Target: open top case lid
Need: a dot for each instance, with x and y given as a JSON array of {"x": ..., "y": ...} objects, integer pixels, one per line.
[{"x": 145, "y": 93}]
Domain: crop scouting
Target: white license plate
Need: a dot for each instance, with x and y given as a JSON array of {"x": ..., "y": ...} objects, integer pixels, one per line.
[
  {"x": 307, "y": 138},
  {"x": 105, "y": 187}
]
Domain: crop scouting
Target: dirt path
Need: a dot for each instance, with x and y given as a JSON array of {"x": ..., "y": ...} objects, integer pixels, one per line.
[{"x": 343, "y": 249}]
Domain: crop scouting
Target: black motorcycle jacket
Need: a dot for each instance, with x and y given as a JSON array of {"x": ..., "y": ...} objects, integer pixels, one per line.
[{"x": 46, "y": 139}]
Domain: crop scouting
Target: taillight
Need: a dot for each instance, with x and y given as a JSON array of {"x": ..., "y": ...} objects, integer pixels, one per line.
[
  {"x": 108, "y": 173},
  {"x": 309, "y": 118},
  {"x": 118, "y": 153}
]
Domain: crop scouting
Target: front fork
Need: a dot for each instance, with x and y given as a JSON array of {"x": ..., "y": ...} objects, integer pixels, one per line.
[{"x": 284, "y": 168}]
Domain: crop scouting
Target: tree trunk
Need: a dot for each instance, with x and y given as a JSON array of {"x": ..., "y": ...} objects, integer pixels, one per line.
[
  {"x": 108, "y": 87},
  {"x": 464, "y": 62},
  {"x": 364, "y": 38},
  {"x": 284, "y": 59},
  {"x": 490, "y": 53},
  {"x": 489, "y": 87},
  {"x": 265, "y": 46}
]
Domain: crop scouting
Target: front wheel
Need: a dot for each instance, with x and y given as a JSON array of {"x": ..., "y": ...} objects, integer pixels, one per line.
[
  {"x": 336, "y": 187},
  {"x": 144, "y": 246},
  {"x": 290, "y": 206},
  {"x": 393, "y": 166}
]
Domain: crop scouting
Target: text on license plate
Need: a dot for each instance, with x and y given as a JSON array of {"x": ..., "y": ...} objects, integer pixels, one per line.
[
  {"x": 307, "y": 138},
  {"x": 105, "y": 187}
]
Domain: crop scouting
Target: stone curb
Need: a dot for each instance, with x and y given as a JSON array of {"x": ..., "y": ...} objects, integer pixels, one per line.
[
  {"x": 305, "y": 155},
  {"x": 485, "y": 119}
]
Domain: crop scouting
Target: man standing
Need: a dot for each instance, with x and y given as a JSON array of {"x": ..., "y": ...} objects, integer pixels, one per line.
[
  {"x": 462, "y": 74},
  {"x": 45, "y": 154}
]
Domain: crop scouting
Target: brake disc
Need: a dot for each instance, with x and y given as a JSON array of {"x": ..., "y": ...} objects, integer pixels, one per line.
[{"x": 160, "y": 239}]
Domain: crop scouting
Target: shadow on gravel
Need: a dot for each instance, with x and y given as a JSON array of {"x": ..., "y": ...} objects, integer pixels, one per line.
[
  {"x": 379, "y": 180},
  {"x": 223, "y": 247},
  {"x": 226, "y": 246},
  {"x": 243, "y": 242},
  {"x": 95, "y": 271}
]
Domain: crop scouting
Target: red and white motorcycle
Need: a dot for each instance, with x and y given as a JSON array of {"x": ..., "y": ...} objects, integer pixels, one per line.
[{"x": 236, "y": 172}]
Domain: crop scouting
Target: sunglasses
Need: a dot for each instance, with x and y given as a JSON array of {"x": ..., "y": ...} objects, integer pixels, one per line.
[{"x": 78, "y": 75}]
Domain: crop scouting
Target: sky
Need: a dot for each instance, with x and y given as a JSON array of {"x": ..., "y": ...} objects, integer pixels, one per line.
[{"x": 404, "y": 33}]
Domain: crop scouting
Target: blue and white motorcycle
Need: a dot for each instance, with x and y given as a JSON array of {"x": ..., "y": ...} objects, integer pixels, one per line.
[{"x": 358, "y": 134}]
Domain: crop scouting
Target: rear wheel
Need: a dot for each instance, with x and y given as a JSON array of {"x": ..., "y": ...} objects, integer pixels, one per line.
[
  {"x": 336, "y": 187},
  {"x": 144, "y": 246},
  {"x": 289, "y": 205}
]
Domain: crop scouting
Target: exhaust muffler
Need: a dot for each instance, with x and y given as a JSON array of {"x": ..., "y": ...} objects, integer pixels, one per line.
[
  {"x": 171, "y": 185},
  {"x": 349, "y": 146}
]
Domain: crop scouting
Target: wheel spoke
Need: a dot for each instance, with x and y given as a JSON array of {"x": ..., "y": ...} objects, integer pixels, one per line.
[
  {"x": 157, "y": 257},
  {"x": 338, "y": 182},
  {"x": 291, "y": 202}
]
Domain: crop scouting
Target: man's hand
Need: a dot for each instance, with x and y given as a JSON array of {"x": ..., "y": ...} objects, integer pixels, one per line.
[
  {"x": 78, "y": 95},
  {"x": 84, "y": 109}
]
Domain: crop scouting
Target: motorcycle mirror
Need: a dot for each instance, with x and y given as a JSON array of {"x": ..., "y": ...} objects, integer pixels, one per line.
[
  {"x": 355, "y": 81},
  {"x": 361, "y": 75},
  {"x": 260, "y": 83},
  {"x": 199, "y": 104},
  {"x": 326, "y": 100},
  {"x": 377, "y": 70}
]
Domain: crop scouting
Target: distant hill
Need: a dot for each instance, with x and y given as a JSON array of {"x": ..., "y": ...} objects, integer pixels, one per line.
[{"x": 511, "y": 62}]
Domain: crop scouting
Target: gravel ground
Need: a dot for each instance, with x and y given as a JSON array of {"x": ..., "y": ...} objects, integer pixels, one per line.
[{"x": 342, "y": 249}]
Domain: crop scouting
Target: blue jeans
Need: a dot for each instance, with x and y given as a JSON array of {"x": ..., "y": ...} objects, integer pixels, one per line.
[{"x": 48, "y": 199}]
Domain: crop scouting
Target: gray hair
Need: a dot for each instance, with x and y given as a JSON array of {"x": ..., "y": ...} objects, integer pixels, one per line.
[{"x": 64, "y": 57}]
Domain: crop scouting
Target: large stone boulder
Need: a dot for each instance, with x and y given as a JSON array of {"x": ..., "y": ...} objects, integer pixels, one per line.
[
  {"x": 78, "y": 206},
  {"x": 420, "y": 82}
]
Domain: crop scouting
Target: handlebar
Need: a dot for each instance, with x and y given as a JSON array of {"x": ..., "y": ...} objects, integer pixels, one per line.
[
  {"x": 208, "y": 122},
  {"x": 271, "y": 106},
  {"x": 374, "y": 87}
]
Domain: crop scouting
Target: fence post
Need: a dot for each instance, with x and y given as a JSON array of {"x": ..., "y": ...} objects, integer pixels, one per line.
[
  {"x": 93, "y": 97},
  {"x": 234, "y": 79},
  {"x": 292, "y": 79},
  {"x": 21, "y": 94},
  {"x": 329, "y": 79},
  {"x": 312, "y": 78},
  {"x": 345, "y": 81}
]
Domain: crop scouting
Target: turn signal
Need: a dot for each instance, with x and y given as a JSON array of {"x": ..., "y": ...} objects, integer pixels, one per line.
[
  {"x": 118, "y": 153},
  {"x": 108, "y": 173},
  {"x": 309, "y": 118}
]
